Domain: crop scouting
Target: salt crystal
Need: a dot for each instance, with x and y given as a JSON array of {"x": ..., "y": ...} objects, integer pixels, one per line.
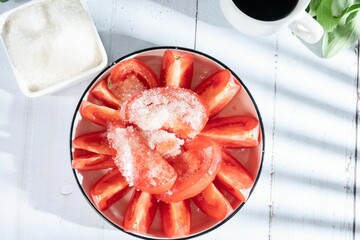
[{"x": 51, "y": 41}]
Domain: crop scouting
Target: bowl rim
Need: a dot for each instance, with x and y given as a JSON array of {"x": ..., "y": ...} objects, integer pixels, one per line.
[{"x": 134, "y": 53}]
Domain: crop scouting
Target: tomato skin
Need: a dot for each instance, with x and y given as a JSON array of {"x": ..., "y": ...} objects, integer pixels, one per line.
[
  {"x": 176, "y": 218},
  {"x": 218, "y": 90},
  {"x": 99, "y": 115},
  {"x": 233, "y": 176},
  {"x": 177, "y": 110},
  {"x": 176, "y": 69},
  {"x": 140, "y": 212},
  {"x": 95, "y": 142},
  {"x": 108, "y": 189},
  {"x": 92, "y": 161},
  {"x": 142, "y": 166},
  {"x": 133, "y": 70},
  {"x": 213, "y": 203},
  {"x": 233, "y": 132},
  {"x": 102, "y": 93},
  {"x": 196, "y": 169}
]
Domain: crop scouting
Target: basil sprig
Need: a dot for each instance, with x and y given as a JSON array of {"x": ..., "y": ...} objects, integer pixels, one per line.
[{"x": 341, "y": 22}]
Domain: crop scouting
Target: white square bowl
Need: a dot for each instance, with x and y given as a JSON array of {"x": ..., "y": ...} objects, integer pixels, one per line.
[{"x": 79, "y": 77}]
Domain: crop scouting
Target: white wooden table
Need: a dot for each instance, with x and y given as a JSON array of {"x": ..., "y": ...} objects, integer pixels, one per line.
[{"x": 309, "y": 185}]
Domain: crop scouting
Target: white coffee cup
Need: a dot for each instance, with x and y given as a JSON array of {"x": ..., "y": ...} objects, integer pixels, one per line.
[{"x": 298, "y": 21}]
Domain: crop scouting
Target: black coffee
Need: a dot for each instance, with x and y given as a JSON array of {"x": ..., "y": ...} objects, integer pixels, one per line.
[{"x": 266, "y": 10}]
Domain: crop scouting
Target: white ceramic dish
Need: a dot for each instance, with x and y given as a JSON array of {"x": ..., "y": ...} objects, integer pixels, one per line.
[
  {"x": 242, "y": 104},
  {"x": 81, "y": 76}
]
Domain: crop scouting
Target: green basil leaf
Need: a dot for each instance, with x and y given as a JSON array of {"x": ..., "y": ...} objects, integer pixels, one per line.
[
  {"x": 324, "y": 16},
  {"x": 346, "y": 33},
  {"x": 339, "y": 6},
  {"x": 314, "y": 4},
  {"x": 3, "y": 1}
]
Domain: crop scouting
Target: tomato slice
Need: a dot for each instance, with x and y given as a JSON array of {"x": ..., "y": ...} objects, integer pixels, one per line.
[
  {"x": 129, "y": 77},
  {"x": 142, "y": 167},
  {"x": 95, "y": 142},
  {"x": 233, "y": 176},
  {"x": 196, "y": 167},
  {"x": 102, "y": 93},
  {"x": 218, "y": 90},
  {"x": 213, "y": 203},
  {"x": 176, "y": 218},
  {"x": 233, "y": 132},
  {"x": 92, "y": 161},
  {"x": 177, "y": 110},
  {"x": 109, "y": 189},
  {"x": 177, "y": 69},
  {"x": 99, "y": 115},
  {"x": 140, "y": 212}
]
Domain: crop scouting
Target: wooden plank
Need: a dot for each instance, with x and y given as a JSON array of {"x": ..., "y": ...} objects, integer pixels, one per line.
[{"x": 314, "y": 144}]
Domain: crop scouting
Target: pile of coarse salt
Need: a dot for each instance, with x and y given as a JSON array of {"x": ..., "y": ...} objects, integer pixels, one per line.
[{"x": 50, "y": 41}]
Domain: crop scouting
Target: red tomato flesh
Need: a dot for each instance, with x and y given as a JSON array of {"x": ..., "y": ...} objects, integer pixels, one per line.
[
  {"x": 233, "y": 132},
  {"x": 142, "y": 167},
  {"x": 109, "y": 189},
  {"x": 196, "y": 167},
  {"x": 95, "y": 142},
  {"x": 99, "y": 115},
  {"x": 218, "y": 90},
  {"x": 129, "y": 77},
  {"x": 102, "y": 93},
  {"x": 233, "y": 176},
  {"x": 176, "y": 218},
  {"x": 140, "y": 212},
  {"x": 176, "y": 69},
  {"x": 176, "y": 110},
  {"x": 213, "y": 203},
  {"x": 92, "y": 161}
]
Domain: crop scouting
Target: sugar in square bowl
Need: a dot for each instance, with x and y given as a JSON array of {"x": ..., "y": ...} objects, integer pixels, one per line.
[{"x": 51, "y": 44}]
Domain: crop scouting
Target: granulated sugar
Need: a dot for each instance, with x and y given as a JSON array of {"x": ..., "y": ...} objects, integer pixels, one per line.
[
  {"x": 168, "y": 108},
  {"x": 122, "y": 140},
  {"x": 165, "y": 143},
  {"x": 51, "y": 41}
]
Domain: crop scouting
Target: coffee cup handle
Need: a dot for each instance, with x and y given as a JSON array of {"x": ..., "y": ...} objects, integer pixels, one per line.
[{"x": 307, "y": 28}]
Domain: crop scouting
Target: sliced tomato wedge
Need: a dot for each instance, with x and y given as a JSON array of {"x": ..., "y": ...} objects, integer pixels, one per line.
[
  {"x": 142, "y": 167},
  {"x": 196, "y": 167},
  {"x": 102, "y": 93},
  {"x": 176, "y": 218},
  {"x": 233, "y": 132},
  {"x": 140, "y": 212},
  {"x": 234, "y": 177},
  {"x": 213, "y": 203},
  {"x": 218, "y": 90},
  {"x": 95, "y": 142},
  {"x": 177, "y": 110},
  {"x": 99, "y": 115},
  {"x": 92, "y": 161},
  {"x": 177, "y": 69},
  {"x": 129, "y": 77},
  {"x": 109, "y": 189}
]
